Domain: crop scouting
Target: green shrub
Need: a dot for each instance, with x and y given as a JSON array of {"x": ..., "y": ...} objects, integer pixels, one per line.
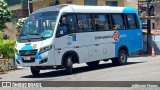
[
  {"x": 7, "y": 47},
  {"x": 1, "y": 35},
  {"x": 5, "y": 14}
]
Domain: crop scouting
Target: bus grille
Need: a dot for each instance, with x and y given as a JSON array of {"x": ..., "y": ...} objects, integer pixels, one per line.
[{"x": 28, "y": 52}]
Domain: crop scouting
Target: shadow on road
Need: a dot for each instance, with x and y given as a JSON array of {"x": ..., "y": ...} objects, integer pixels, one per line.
[
  {"x": 76, "y": 70},
  {"x": 141, "y": 55}
]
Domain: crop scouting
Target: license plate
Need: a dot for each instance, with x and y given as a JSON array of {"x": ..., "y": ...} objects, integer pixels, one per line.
[{"x": 27, "y": 58}]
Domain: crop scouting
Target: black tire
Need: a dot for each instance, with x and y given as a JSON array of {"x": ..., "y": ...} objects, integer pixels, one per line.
[
  {"x": 121, "y": 59},
  {"x": 34, "y": 71},
  {"x": 92, "y": 64},
  {"x": 69, "y": 65}
]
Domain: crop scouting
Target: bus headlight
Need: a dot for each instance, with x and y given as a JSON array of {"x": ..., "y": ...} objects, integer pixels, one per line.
[{"x": 45, "y": 49}]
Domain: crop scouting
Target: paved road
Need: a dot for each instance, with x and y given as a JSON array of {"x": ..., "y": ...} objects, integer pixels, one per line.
[{"x": 143, "y": 68}]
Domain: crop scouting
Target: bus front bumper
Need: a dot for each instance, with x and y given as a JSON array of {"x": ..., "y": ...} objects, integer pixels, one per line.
[{"x": 42, "y": 60}]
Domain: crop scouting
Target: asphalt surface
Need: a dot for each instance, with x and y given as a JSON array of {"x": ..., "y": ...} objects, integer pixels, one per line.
[{"x": 139, "y": 68}]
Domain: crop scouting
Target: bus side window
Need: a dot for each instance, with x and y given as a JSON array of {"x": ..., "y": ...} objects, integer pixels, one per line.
[
  {"x": 131, "y": 21},
  {"x": 80, "y": 23},
  {"x": 62, "y": 27},
  {"x": 70, "y": 24},
  {"x": 84, "y": 22},
  {"x": 101, "y": 22},
  {"x": 118, "y": 22},
  {"x": 96, "y": 22}
]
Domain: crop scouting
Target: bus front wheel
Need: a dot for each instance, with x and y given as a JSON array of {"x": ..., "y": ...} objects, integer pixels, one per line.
[
  {"x": 34, "y": 71},
  {"x": 69, "y": 65},
  {"x": 121, "y": 59}
]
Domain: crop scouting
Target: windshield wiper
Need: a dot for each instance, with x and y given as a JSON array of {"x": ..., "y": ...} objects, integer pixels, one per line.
[
  {"x": 23, "y": 35},
  {"x": 25, "y": 38},
  {"x": 38, "y": 35}
]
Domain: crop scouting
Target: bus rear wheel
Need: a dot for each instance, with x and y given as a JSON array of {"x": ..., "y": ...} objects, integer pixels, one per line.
[
  {"x": 121, "y": 59},
  {"x": 34, "y": 71},
  {"x": 69, "y": 65},
  {"x": 92, "y": 64}
]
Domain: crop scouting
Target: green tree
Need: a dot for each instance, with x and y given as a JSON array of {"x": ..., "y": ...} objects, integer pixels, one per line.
[
  {"x": 7, "y": 47},
  {"x": 5, "y": 14},
  {"x": 1, "y": 36},
  {"x": 20, "y": 23}
]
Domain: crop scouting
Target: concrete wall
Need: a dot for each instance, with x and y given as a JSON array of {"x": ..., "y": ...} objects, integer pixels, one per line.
[
  {"x": 132, "y": 3},
  {"x": 155, "y": 43},
  {"x": 37, "y": 4}
]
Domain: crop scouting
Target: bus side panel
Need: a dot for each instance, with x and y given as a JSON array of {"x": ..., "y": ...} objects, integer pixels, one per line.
[
  {"x": 95, "y": 45},
  {"x": 137, "y": 40},
  {"x": 132, "y": 39},
  {"x": 59, "y": 54},
  {"x": 140, "y": 34},
  {"x": 124, "y": 40},
  {"x": 107, "y": 50},
  {"x": 63, "y": 45},
  {"x": 90, "y": 46}
]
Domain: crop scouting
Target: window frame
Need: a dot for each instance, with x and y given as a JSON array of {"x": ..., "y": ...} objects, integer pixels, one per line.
[
  {"x": 135, "y": 19},
  {"x": 123, "y": 18},
  {"x": 84, "y": 30},
  {"x": 68, "y": 32},
  {"x": 69, "y": 14},
  {"x": 108, "y": 17}
]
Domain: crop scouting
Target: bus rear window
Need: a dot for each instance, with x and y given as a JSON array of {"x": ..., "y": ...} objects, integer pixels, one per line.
[{"x": 132, "y": 22}]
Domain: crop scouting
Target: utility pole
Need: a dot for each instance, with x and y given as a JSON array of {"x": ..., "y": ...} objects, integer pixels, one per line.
[
  {"x": 28, "y": 7},
  {"x": 56, "y": 2},
  {"x": 149, "y": 37}
]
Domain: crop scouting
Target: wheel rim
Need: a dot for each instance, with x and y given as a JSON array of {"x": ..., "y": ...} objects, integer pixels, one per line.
[
  {"x": 69, "y": 59},
  {"x": 69, "y": 66},
  {"x": 123, "y": 57}
]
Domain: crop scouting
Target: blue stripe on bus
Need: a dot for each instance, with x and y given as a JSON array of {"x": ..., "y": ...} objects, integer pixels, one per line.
[
  {"x": 38, "y": 56},
  {"x": 27, "y": 47},
  {"x": 18, "y": 57},
  {"x": 129, "y": 10},
  {"x": 132, "y": 44}
]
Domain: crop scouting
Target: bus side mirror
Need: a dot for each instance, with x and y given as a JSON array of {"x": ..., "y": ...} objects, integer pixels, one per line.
[{"x": 59, "y": 33}]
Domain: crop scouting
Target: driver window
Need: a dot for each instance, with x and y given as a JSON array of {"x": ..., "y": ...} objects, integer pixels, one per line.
[{"x": 62, "y": 27}]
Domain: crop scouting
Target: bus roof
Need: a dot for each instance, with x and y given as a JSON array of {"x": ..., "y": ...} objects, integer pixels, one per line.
[{"x": 87, "y": 9}]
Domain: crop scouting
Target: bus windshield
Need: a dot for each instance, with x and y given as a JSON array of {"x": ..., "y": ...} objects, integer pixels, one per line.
[{"x": 39, "y": 25}]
